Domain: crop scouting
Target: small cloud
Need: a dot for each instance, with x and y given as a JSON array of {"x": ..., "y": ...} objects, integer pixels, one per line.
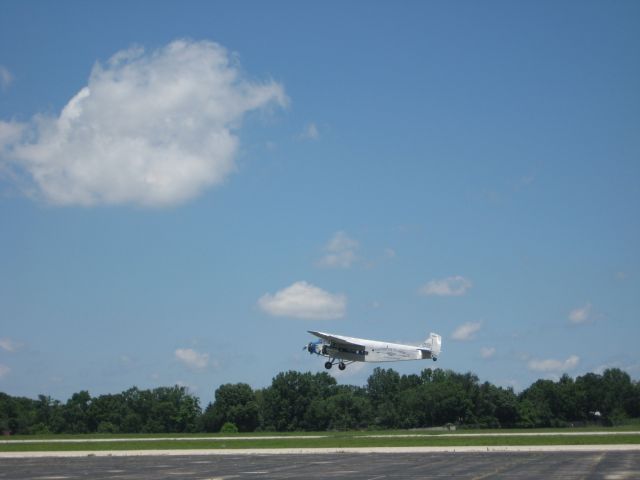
[
  {"x": 554, "y": 366},
  {"x": 4, "y": 371},
  {"x": 621, "y": 276},
  {"x": 310, "y": 132},
  {"x": 389, "y": 253},
  {"x": 466, "y": 331},
  {"x": 192, "y": 358},
  {"x": 487, "y": 352},
  {"x": 306, "y": 301},
  {"x": 580, "y": 315},
  {"x": 9, "y": 345},
  {"x": 6, "y": 79},
  {"x": 524, "y": 182},
  {"x": 447, "y": 287},
  {"x": 340, "y": 252}
]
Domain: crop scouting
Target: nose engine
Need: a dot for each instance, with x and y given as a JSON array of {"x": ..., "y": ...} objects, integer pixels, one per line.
[{"x": 313, "y": 347}]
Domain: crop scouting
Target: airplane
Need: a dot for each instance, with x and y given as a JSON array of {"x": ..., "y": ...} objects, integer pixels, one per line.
[{"x": 343, "y": 350}]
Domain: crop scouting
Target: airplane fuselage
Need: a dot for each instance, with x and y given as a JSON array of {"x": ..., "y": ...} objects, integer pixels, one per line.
[
  {"x": 375, "y": 351},
  {"x": 350, "y": 349}
]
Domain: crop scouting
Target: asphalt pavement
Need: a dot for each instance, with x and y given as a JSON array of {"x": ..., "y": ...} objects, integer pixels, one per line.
[{"x": 519, "y": 465}]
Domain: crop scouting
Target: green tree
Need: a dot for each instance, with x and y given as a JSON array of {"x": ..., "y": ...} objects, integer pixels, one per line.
[
  {"x": 235, "y": 403},
  {"x": 286, "y": 401},
  {"x": 76, "y": 413}
]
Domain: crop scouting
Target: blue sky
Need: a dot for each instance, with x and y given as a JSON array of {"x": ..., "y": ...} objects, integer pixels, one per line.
[{"x": 186, "y": 188}]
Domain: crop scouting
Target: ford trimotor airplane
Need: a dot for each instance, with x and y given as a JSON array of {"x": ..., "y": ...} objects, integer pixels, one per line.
[{"x": 345, "y": 350}]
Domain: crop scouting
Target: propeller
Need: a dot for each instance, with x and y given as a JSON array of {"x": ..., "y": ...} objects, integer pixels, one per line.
[{"x": 311, "y": 347}]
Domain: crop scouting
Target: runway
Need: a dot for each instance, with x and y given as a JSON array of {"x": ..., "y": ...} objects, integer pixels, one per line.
[{"x": 609, "y": 465}]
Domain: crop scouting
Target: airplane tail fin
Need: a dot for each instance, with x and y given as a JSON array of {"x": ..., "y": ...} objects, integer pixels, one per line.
[{"x": 434, "y": 343}]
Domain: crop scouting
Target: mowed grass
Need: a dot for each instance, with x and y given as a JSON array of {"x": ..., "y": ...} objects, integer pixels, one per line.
[
  {"x": 96, "y": 436},
  {"x": 331, "y": 440}
]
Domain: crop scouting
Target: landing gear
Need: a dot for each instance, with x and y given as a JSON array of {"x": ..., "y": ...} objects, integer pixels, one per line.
[
  {"x": 341, "y": 364},
  {"x": 435, "y": 359}
]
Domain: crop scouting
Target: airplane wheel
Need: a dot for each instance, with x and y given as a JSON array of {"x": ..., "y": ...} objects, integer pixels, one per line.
[
  {"x": 435, "y": 359},
  {"x": 342, "y": 366},
  {"x": 327, "y": 365}
]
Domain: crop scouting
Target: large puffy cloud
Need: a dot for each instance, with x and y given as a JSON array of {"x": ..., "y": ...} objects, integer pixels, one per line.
[
  {"x": 150, "y": 129},
  {"x": 306, "y": 301}
]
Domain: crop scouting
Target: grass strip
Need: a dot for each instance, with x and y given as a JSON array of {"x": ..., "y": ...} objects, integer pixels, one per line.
[
  {"x": 134, "y": 436},
  {"x": 328, "y": 442}
]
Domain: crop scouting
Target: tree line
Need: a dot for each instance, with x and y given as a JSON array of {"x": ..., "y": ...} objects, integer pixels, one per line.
[{"x": 297, "y": 401}]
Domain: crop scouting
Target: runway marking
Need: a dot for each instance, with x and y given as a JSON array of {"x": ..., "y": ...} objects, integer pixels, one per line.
[
  {"x": 293, "y": 451},
  {"x": 500, "y": 434},
  {"x": 52, "y": 477}
]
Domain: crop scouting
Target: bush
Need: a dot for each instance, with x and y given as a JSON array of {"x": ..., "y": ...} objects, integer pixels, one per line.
[
  {"x": 106, "y": 427},
  {"x": 229, "y": 427}
]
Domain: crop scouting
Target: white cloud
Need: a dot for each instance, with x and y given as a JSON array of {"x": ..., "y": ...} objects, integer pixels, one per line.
[
  {"x": 9, "y": 345},
  {"x": 6, "y": 79},
  {"x": 450, "y": 286},
  {"x": 466, "y": 331},
  {"x": 552, "y": 365},
  {"x": 487, "y": 352},
  {"x": 192, "y": 358},
  {"x": 4, "y": 371},
  {"x": 310, "y": 132},
  {"x": 10, "y": 133},
  {"x": 340, "y": 252},
  {"x": 150, "y": 129},
  {"x": 580, "y": 315},
  {"x": 306, "y": 301}
]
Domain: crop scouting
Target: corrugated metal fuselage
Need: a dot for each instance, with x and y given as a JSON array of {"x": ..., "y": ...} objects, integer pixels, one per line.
[{"x": 375, "y": 352}]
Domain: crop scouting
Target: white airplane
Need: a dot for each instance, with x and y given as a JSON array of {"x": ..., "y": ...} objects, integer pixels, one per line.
[{"x": 345, "y": 350}]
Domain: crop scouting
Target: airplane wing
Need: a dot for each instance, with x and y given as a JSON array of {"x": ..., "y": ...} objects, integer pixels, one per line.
[{"x": 346, "y": 342}]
